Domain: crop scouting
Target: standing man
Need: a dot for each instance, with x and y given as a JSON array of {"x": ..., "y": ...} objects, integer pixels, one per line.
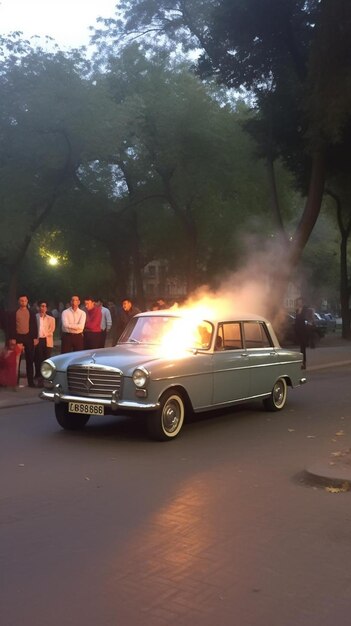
[
  {"x": 72, "y": 323},
  {"x": 23, "y": 329},
  {"x": 92, "y": 328},
  {"x": 46, "y": 328},
  {"x": 124, "y": 314},
  {"x": 302, "y": 328},
  {"x": 106, "y": 322},
  {"x": 113, "y": 312}
]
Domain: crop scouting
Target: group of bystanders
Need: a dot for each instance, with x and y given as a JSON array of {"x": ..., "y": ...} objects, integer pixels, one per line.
[{"x": 29, "y": 331}]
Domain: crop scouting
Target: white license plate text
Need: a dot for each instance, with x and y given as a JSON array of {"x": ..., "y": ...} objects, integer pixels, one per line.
[{"x": 86, "y": 408}]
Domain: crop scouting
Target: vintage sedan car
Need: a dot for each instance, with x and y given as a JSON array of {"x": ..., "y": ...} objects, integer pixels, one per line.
[{"x": 168, "y": 364}]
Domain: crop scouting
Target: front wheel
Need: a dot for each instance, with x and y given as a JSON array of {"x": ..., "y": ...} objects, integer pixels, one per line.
[
  {"x": 166, "y": 423},
  {"x": 69, "y": 421},
  {"x": 277, "y": 399}
]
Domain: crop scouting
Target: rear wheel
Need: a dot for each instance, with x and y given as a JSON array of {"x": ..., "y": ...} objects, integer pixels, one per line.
[
  {"x": 277, "y": 399},
  {"x": 166, "y": 423},
  {"x": 69, "y": 421}
]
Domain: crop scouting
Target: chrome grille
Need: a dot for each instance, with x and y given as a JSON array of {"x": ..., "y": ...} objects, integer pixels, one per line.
[{"x": 93, "y": 380}]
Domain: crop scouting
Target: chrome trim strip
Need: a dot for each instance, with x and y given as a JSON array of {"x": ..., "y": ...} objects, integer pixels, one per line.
[
  {"x": 96, "y": 366},
  {"x": 231, "y": 402},
  {"x": 57, "y": 397},
  {"x": 230, "y": 369}
]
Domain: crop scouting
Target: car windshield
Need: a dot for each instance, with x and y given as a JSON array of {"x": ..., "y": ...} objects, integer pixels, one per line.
[{"x": 167, "y": 331}]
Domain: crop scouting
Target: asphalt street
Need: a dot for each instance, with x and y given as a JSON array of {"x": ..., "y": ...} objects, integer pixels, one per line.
[
  {"x": 332, "y": 352},
  {"x": 219, "y": 526}
]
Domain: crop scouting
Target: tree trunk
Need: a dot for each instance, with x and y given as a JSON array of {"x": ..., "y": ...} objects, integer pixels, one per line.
[
  {"x": 311, "y": 210},
  {"x": 121, "y": 270},
  {"x": 289, "y": 255},
  {"x": 137, "y": 264},
  {"x": 274, "y": 198},
  {"x": 184, "y": 214},
  {"x": 191, "y": 276},
  {"x": 344, "y": 278},
  {"x": 344, "y": 288}
]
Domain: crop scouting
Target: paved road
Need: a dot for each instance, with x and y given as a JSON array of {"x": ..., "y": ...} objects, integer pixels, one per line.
[{"x": 107, "y": 528}]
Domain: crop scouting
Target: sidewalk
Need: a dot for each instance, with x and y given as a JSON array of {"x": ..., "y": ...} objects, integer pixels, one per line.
[
  {"x": 20, "y": 396},
  {"x": 333, "y": 351}
]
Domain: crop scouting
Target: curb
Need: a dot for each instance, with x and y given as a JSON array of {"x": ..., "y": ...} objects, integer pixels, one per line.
[
  {"x": 323, "y": 475},
  {"x": 327, "y": 365},
  {"x": 8, "y": 404}
]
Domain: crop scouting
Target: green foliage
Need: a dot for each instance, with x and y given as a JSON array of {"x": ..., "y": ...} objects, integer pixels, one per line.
[
  {"x": 191, "y": 153},
  {"x": 292, "y": 58},
  {"x": 320, "y": 265},
  {"x": 111, "y": 169},
  {"x": 48, "y": 124}
]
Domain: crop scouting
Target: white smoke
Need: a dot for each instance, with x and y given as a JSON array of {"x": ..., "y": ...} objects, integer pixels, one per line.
[{"x": 255, "y": 289}]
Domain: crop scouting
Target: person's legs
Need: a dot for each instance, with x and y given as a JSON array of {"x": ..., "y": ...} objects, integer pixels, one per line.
[
  {"x": 29, "y": 355},
  {"x": 102, "y": 339},
  {"x": 77, "y": 342},
  {"x": 303, "y": 350},
  {"x": 66, "y": 345},
  {"x": 92, "y": 341},
  {"x": 42, "y": 352},
  {"x": 39, "y": 356},
  {"x": 71, "y": 342}
]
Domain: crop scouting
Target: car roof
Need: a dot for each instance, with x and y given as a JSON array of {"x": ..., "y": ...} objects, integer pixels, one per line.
[{"x": 236, "y": 317}]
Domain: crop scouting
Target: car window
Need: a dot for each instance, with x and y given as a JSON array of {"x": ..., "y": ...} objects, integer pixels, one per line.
[
  {"x": 229, "y": 336},
  {"x": 204, "y": 335},
  {"x": 168, "y": 330},
  {"x": 256, "y": 335}
]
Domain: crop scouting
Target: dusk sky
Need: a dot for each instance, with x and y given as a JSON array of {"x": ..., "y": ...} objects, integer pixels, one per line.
[{"x": 67, "y": 21}]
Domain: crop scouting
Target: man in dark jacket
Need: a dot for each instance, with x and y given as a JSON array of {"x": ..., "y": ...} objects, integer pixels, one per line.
[
  {"x": 123, "y": 315},
  {"x": 22, "y": 326}
]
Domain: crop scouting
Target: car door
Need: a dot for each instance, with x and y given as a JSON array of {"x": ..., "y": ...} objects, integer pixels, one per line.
[
  {"x": 262, "y": 357},
  {"x": 231, "y": 376}
]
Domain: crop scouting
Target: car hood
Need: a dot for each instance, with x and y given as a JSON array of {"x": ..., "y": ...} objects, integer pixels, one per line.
[{"x": 123, "y": 357}]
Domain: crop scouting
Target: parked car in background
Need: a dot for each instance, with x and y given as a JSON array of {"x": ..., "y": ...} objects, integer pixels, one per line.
[
  {"x": 168, "y": 364},
  {"x": 331, "y": 321},
  {"x": 320, "y": 325}
]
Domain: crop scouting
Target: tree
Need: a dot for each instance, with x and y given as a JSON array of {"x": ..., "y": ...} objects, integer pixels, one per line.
[
  {"x": 292, "y": 57},
  {"x": 181, "y": 150},
  {"x": 339, "y": 190},
  {"x": 48, "y": 125}
]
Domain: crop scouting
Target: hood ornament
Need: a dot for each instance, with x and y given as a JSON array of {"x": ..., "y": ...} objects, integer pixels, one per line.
[{"x": 93, "y": 357}]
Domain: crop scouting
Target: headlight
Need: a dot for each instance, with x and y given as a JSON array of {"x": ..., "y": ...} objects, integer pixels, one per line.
[
  {"x": 140, "y": 377},
  {"x": 47, "y": 369}
]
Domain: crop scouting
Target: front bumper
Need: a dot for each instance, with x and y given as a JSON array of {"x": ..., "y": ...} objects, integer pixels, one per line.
[{"x": 56, "y": 395}]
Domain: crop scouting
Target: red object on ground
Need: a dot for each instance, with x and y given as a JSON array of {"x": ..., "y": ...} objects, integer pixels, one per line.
[{"x": 9, "y": 361}]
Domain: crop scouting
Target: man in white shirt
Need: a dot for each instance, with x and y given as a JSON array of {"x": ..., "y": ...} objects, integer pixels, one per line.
[
  {"x": 72, "y": 323},
  {"x": 46, "y": 328}
]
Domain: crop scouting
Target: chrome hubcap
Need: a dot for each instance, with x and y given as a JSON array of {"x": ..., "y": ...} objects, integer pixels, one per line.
[
  {"x": 278, "y": 394},
  {"x": 171, "y": 416}
]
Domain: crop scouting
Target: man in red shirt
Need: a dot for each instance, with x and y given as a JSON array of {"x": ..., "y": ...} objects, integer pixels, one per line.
[{"x": 92, "y": 328}]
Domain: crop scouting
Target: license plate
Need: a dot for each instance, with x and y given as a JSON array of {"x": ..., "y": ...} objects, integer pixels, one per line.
[{"x": 86, "y": 408}]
